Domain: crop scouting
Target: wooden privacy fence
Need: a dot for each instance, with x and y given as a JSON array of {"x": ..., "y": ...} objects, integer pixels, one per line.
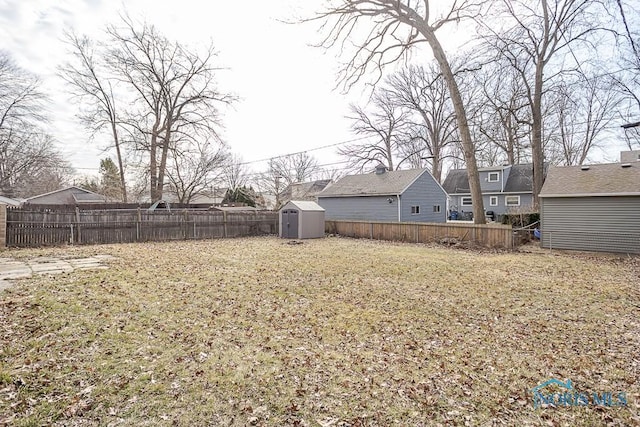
[
  {"x": 487, "y": 235},
  {"x": 29, "y": 228}
]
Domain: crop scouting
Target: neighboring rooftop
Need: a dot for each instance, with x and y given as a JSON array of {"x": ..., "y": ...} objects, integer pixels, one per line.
[
  {"x": 373, "y": 184},
  {"x": 457, "y": 181},
  {"x": 69, "y": 195},
  {"x": 304, "y": 190},
  {"x": 519, "y": 180},
  {"x": 593, "y": 180}
]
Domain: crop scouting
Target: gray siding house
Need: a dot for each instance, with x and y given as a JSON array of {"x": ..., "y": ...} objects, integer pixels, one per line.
[
  {"x": 504, "y": 189},
  {"x": 592, "y": 208},
  {"x": 394, "y": 196}
]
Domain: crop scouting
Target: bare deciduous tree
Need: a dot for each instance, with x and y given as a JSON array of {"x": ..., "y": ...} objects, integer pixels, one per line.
[
  {"x": 535, "y": 34},
  {"x": 286, "y": 170},
  {"x": 235, "y": 172},
  {"x": 392, "y": 28},
  {"x": 383, "y": 126},
  {"x": 194, "y": 169},
  {"x": 293, "y": 168},
  {"x": 29, "y": 161},
  {"x": 95, "y": 93},
  {"x": 175, "y": 96},
  {"x": 583, "y": 111},
  {"x": 21, "y": 102},
  {"x": 501, "y": 117},
  {"x": 432, "y": 126}
]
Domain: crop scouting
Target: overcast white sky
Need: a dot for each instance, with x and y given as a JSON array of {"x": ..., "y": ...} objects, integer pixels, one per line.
[{"x": 287, "y": 102}]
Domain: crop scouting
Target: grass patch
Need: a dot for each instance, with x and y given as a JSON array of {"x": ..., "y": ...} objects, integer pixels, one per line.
[{"x": 333, "y": 332}]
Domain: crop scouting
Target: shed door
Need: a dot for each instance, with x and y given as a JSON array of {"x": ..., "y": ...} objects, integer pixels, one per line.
[{"x": 290, "y": 224}]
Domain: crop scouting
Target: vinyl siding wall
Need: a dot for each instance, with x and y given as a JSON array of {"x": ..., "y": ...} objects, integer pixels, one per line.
[
  {"x": 363, "y": 208},
  {"x": 426, "y": 193},
  {"x": 526, "y": 201},
  {"x": 605, "y": 224},
  {"x": 487, "y": 186}
]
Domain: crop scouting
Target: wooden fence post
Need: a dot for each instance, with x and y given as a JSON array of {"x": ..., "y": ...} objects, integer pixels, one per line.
[
  {"x": 3, "y": 225},
  {"x": 77, "y": 226},
  {"x": 224, "y": 222}
]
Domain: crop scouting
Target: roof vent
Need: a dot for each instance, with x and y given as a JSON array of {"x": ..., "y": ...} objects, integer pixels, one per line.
[
  {"x": 584, "y": 168},
  {"x": 626, "y": 165},
  {"x": 380, "y": 169}
]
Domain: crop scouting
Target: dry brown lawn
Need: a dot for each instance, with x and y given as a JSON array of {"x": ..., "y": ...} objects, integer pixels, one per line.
[{"x": 331, "y": 332}]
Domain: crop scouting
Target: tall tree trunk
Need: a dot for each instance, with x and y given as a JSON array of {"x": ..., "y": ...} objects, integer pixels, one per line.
[
  {"x": 123, "y": 182},
  {"x": 163, "y": 160},
  {"x": 387, "y": 146},
  {"x": 537, "y": 152},
  {"x": 153, "y": 164},
  {"x": 436, "y": 167},
  {"x": 463, "y": 126}
]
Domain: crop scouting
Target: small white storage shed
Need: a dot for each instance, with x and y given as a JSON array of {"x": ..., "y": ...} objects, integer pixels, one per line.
[{"x": 301, "y": 220}]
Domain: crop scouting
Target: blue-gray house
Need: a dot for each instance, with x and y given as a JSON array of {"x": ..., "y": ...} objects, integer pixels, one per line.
[
  {"x": 398, "y": 196},
  {"x": 504, "y": 189}
]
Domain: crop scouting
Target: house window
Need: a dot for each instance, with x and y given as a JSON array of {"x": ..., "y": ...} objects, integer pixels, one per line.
[
  {"x": 466, "y": 201},
  {"x": 512, "y": 200},
  {"x": 494, "y": 176},
  {"x": 436, "y": 208},
  {"x": 493, "y": 201},
  {"x": 415, "y": 210}
]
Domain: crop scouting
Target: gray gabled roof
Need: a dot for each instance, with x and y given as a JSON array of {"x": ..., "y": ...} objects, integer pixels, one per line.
[
  {"x": 78, "y": 193},
  {"x": 456, "y": 181},
  {"x": 611, "y": 179},
  {"x": 520, "y": 179},
  {"x": 390, "y": 183},
  {"x": 304, "y": 190}
]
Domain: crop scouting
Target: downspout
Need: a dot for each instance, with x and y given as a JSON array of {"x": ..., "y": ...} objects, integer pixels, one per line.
[{"x": 399, "y": 210}]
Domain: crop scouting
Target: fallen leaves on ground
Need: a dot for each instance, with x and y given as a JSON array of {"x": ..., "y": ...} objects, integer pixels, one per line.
[{"x": 331, "y": 332}]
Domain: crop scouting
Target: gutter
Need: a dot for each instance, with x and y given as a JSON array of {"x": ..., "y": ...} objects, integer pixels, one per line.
[
  {"x": 622, "y": 194},
  {"x": 399, "y": 210}
]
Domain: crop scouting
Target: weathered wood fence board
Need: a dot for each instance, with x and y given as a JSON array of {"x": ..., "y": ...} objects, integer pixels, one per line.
[
  {"x": 29, "y": 228},
  {"x": 488, "y": 235}
]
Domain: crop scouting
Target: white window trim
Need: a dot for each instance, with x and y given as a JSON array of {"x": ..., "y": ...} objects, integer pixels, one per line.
[
  {"x": 493, "y": 200},
  {"x": 497, "y": 174},
  {"x": 462, "y": 199},
  {"x": 506, "y": 201},
  {"x": 415, "y": 210}
]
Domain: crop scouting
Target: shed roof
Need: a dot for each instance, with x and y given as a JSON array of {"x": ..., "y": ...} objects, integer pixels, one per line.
[
  {"x": 305, "y": 205},
  {"x": 373, "y": 184},
  {"x": 610, "y": 179}
]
